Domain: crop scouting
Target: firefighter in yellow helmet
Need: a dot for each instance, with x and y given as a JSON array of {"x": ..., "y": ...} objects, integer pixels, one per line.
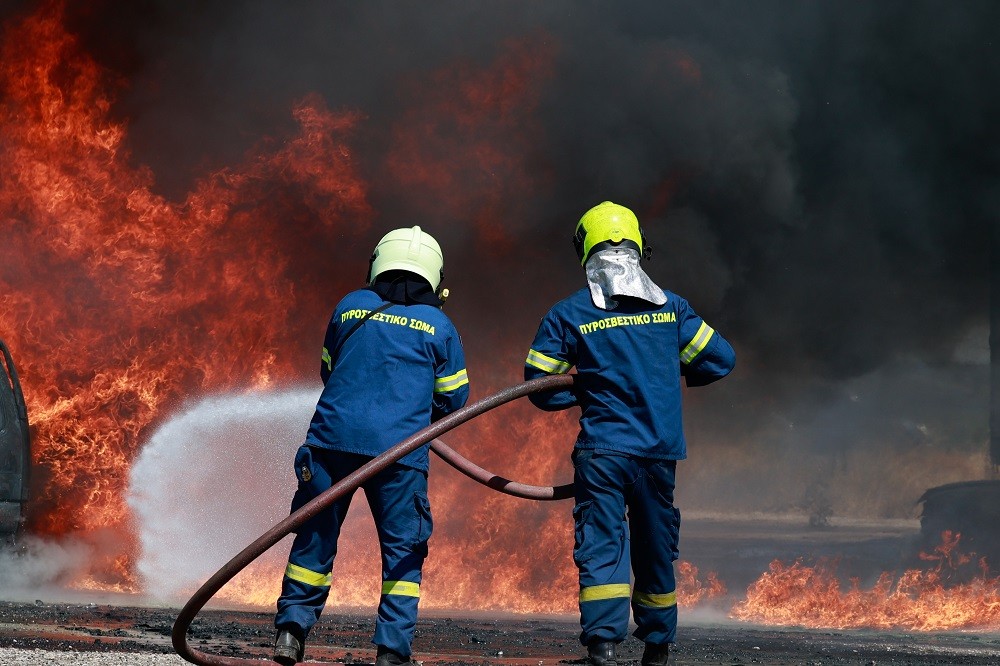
[
  {"x": 392, "y": 363},
  {"x": 631, "y": 343}
]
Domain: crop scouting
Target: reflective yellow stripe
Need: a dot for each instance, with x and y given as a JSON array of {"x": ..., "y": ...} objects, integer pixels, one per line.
[
  {"x": 701, "y": 338},
  {"x": 655, "y": 600},
  {"x": 327, "y": 359},
  {"x": 602, "y": 592},
  {"x": 451, "y": 382},
  {"x": 303, "y": 575},
  {"x": 403, "y": 588},
  {"x": 546, "y": 363}
]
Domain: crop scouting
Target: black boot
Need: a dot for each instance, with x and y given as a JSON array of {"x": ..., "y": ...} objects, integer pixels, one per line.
[
  {"x": 656, "y": 655},
  {"x": 601, "y": 653},
  {"x": 288, "y": 649},
  {"x": 386, "y": 657}
]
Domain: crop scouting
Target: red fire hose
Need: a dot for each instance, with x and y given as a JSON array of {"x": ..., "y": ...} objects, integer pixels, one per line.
[
  {"x": 354, "y": 480},
  {"x": 498, "y": 483}
]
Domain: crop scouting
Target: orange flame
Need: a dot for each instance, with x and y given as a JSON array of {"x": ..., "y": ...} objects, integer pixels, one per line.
[
  {"x": 119, "y": 304},
  {"x": 800, "y": 595},
  {"x": 692, "y": 591},
  {"x": 116, "y": 302}
]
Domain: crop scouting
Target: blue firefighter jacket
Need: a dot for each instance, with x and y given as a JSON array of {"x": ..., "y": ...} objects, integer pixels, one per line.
[
  {"x": 629, "y": 363},
  {"x": 402, "y": 369}
]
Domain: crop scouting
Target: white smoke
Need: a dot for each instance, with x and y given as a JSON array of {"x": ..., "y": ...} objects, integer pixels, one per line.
[
  {"x": 37, "y": 566},
  {"x": 211, "y": 480}
]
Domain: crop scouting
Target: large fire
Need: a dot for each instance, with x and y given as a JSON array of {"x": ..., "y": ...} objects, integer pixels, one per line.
[
  {"x": 120, "y": 305},
  {"x": 916, "y": 600}
]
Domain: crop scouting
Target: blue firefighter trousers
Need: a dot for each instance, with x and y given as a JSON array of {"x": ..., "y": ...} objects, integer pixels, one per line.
[
  {"x": 606, "y": 486},
  {"x": 398, "y": 500}
]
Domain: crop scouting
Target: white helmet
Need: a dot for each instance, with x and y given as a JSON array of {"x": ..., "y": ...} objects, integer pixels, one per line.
[{"x": 408, "y": 250}]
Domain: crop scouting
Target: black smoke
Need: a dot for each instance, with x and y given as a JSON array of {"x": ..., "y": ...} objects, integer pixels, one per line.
[{"x": 817, "y": 178}]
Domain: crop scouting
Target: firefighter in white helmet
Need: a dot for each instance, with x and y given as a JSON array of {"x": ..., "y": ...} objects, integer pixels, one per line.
[
  {"x": 392, "y": 363},
  {"x": 631, "y": 343}
]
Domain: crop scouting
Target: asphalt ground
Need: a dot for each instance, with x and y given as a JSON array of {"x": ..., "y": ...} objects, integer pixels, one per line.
[{"x": 99, "y": 634}]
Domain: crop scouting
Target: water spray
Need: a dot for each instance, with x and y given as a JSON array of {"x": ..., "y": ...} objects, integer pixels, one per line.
[{"x": 355, "y": 480}]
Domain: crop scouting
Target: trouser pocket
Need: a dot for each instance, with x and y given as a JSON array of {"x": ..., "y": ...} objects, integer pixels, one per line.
[
  {"x": 583, "y": 532},
  {"x": 425, "y": 524}
]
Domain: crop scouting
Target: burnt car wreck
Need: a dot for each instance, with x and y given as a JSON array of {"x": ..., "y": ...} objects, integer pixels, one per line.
[{"x": 15, "y": 450}]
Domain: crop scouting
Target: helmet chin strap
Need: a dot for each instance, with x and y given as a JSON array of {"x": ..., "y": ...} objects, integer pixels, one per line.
[{"x": 611, "y": 245}]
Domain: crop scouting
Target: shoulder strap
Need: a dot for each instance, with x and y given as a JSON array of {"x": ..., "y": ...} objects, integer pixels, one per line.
[{"x": 356, "y": 326}]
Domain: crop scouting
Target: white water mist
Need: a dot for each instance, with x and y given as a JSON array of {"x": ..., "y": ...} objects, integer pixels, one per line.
[{"x": 211, "y": 480}]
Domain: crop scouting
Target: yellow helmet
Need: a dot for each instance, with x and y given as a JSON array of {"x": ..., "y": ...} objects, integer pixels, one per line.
[
  {"x": 608, "y": 225},
  {"x": 408, "y": 250}
]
